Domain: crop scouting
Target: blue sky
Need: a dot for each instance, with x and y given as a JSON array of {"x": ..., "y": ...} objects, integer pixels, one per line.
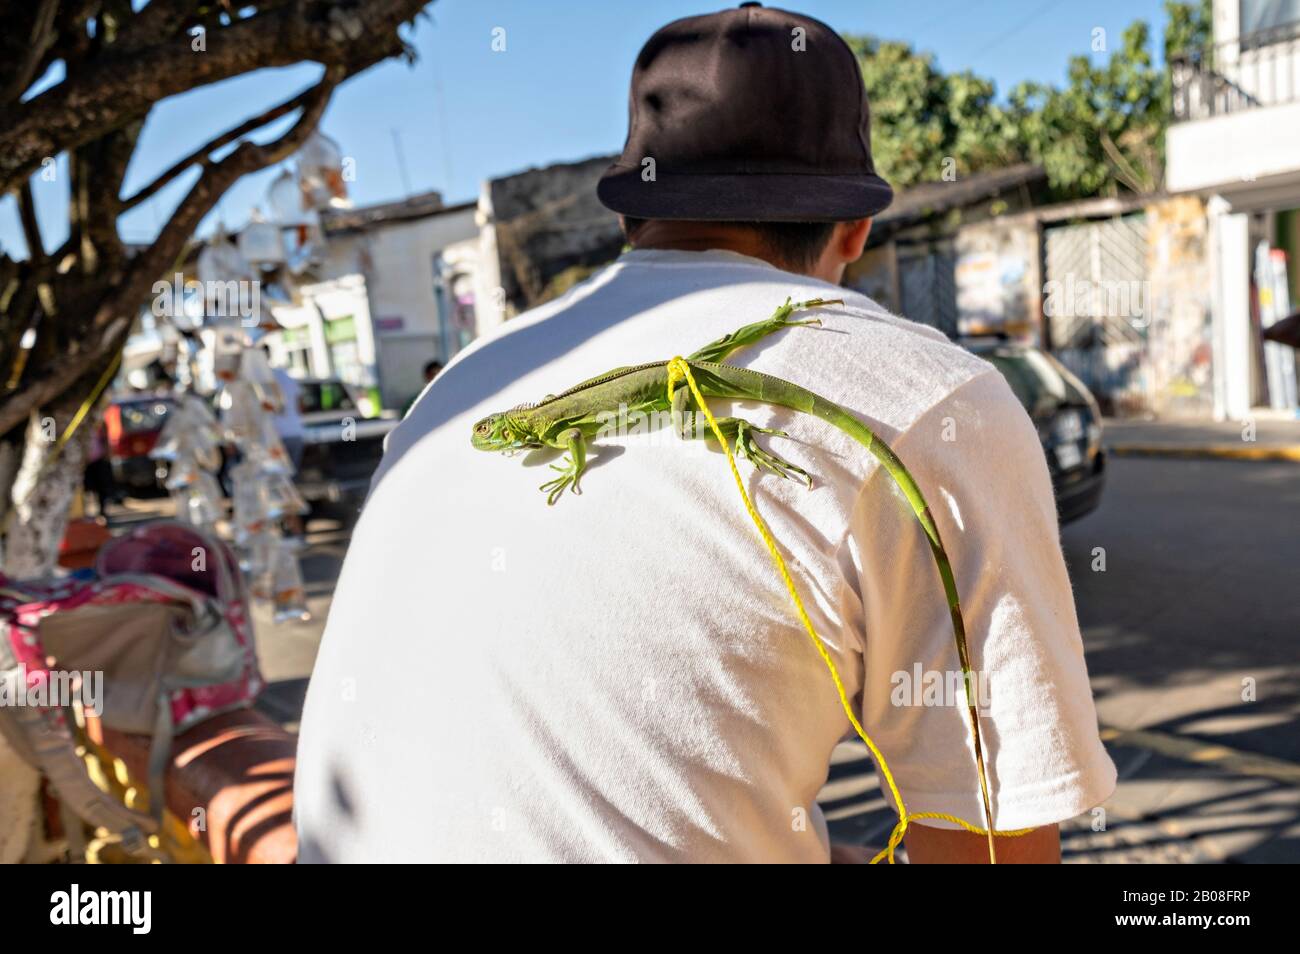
[{"x": 558, "y": 92}]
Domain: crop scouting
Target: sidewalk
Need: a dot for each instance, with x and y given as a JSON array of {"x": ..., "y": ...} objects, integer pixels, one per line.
[{"x": 1274, "y": 437}]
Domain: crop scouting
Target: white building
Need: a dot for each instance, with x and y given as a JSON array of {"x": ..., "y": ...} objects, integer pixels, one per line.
[
  {"x": 1235, "y": 140},
  {"x": 394, "y": 289}
]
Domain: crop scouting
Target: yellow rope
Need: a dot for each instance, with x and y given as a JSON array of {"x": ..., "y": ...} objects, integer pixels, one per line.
[
  {"x": 173, "y": 843},
  {"x": 89, "y": 402},
  {"x": 679, "y": 369}
]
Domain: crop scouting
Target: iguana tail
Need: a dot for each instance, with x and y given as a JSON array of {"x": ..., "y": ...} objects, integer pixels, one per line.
[
  {"x": 726, "y": 381},
  {"x": 846, "y": 422}
]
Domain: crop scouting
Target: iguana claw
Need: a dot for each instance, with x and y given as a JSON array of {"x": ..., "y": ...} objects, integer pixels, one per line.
[
  {"x": 569, "y": 475},
  {"x": 749, "y": 449}
]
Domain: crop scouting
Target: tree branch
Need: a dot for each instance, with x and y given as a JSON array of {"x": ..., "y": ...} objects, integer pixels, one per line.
[
  {"x": 113, "y": 319},
  {"x": 31, "y": 227},
  {"x": 72, "y": 42},
  {"x": 117, "y": 88},
  {"x": 217, "y": 178},
  {"x": 42, "y": 37},
  {"x": 160, "y": 20},
  {"x": 107, "y": 161},
  {"x": 202, "y": 154}
]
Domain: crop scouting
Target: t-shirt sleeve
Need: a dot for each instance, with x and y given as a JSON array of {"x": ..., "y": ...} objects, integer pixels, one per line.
[{"x": 978, "y": 460}]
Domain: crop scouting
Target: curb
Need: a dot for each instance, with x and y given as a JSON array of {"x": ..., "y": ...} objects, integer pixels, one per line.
[{"x": 1287, "y": 452}]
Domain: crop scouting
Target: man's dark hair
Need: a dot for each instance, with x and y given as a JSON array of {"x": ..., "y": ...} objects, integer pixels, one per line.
[
  {"x": 432, "y": 368},
  {"x": 796, "y": 245}
]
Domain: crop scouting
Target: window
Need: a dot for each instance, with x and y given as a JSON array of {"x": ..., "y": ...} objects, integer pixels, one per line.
[
  {"x": 1268, "y": 20},
  {"x": 345, "y": 356},
  {"x": 297, "y": 351}
]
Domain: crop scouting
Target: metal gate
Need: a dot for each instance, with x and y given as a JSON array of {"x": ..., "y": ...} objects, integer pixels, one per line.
[
  {"x": 1097, "y": 303},
  {"x": 927, "y": 285}
]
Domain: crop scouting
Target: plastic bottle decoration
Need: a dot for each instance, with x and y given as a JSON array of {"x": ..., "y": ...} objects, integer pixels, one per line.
[
  {"x": 227, "y": 351},
  {"x": 284, "y": 200},
  {"x": 182, "y": 472},
  {"x": 270, "y": 452},
  {"x": 261, "y": 243},
  {"x": 261, "y": 484},
  {"x": 288, "y": 594},
  {"x": 250, "y": 514},
  {"x": 299, "y": 222},
  {"x": 320, "y": 174},
  {"x": 220, "y": 262},
  {"x": 201, "y": 503},
  {"x": 262, "y": 552},
  {"x": 241, "y": 413},
  {"x": 190, "y": 429},
  {"x": 282, "y": 497},
  {"x": 255, "y": 561},
  {"x": 194, "y": 439},
  {"x": 257, "y": 370},
  {"x": 203, "y": 433}
]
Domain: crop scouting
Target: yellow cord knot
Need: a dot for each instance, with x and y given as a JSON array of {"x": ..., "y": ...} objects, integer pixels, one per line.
[{"x": 677, "y": 369}]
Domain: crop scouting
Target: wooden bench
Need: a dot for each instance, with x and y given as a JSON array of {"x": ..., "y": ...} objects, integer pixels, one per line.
[{"x": 236, "y": 767}]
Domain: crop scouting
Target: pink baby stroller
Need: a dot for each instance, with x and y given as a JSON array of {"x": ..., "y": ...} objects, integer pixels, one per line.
[{"x": 164, "y": 630}]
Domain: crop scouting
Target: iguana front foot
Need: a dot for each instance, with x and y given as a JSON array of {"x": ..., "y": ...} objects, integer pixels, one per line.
[
  {"x": 569, "y": 477},
  {"x": 571, "y": 471},
  {"x": 748, "y": 448}
]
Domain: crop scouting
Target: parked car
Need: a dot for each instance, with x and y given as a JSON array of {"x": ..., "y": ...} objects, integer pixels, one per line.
[
  {"x": 132, "y": 424},
  {"x": 1066, "y": 415},
  {"x": 341, "y": 448}
]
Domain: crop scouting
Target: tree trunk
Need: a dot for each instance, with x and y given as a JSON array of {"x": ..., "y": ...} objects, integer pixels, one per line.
[
  {"x": 10, "y": 455},
  {"x": 43, "y": 489}
]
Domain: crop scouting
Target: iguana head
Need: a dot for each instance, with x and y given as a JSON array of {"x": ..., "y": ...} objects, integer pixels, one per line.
[{"x": 497, "y": 432}]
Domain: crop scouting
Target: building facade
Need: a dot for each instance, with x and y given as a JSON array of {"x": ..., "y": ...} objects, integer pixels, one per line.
[
  {"x": 394, "y": 289},
  {"x": 1234, "y": 143}
]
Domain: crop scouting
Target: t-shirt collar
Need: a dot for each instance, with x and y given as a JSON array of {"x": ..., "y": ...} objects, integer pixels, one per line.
[{"x": 713, "y": 256}]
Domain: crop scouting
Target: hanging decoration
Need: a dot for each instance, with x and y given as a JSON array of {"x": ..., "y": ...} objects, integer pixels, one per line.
[
  {"x": 259, "y": 472},
  {"x": 321, "y": 179},
  {"x": 272, "y": 253}
]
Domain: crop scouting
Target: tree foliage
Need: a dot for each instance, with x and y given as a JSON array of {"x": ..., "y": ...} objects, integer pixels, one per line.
[{"x": 1101, "y": 134}]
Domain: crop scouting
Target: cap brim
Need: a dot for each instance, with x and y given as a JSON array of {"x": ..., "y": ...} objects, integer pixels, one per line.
[{"x": 758, "y": 197}]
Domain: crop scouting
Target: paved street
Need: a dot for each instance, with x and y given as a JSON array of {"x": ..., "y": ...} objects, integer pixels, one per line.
[
  {"x": 1199, "y": 594},
  {"x": 1198, "y": 603},
  {"x": 288, "y": 651}
]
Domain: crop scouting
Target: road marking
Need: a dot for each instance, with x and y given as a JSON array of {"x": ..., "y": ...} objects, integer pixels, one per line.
[{"x": 1233, "y": 761}]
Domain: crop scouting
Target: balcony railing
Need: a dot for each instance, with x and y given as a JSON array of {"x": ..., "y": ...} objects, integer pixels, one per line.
[{"x": 1262, "y": 69}]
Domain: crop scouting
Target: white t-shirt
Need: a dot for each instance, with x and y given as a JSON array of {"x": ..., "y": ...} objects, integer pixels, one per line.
[{"x": 622, "y": 676}]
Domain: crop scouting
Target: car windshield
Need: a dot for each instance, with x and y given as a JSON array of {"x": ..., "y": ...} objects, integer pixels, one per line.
[
  {"x": 324, "y": 396},
  {"x": 142, "y": 416},
  {"x": 1034, "y": 378}
]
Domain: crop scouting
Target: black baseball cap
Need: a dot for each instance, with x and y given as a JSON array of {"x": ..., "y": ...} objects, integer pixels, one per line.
[{"x": 754, "y": 114}]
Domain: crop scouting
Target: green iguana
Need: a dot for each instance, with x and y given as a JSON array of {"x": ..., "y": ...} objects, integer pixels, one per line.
[{"x": 568, "y": 420}]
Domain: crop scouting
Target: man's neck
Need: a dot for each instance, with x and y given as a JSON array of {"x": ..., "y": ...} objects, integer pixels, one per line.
[{"x": 701, "y": 237}]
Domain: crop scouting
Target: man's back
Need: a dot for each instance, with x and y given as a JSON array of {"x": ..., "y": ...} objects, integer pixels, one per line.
[{"x": 621, "y": 676}]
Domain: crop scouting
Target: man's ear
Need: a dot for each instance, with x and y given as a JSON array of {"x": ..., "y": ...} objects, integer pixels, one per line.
[{"x": 850, "y": 239}]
